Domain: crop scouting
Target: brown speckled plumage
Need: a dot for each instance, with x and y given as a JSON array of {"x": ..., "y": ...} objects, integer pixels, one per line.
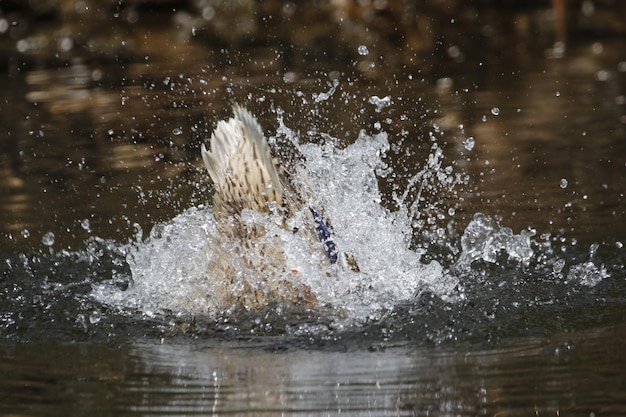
[{"x": 246, "y": 176}]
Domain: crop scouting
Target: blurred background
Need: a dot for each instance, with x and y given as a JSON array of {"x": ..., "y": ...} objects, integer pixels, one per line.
[{"x": 104, "y": 104}]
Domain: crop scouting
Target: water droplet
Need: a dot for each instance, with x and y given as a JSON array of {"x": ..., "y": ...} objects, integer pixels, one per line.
[
  {"x": 80, "y": 320},
  {"x": 563, "y": 183},
  {"x": 363, "y": 50},
  {"x": 558, "y": 50},
  {"x": 597, "y": 48},
  {"x": 95, "y": 317},
  {"x": 445, "y": 82},
  {"x": 495, "y": 111},
  {"x": 603, "y": 75},
  {"x": 65, "y": 44},
  {"x": 558, "y": 265},
  {"x": 85, "y": 224},
  {"x": 48, "y": 239},
  {"x": 25, "y": 233},
  {"x": 469, "y": 143},
  {"x": 177, "y": 131},
  {"x": 380, "y": 103}
]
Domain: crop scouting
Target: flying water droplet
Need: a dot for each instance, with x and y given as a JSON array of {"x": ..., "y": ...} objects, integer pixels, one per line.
[
  {"x": 380, "y": 103},
  {"x": 85, "y": 224},
  {"x": 95, "y": 317},
  {"x": 563, "y": 183},
  {"x": 469, "y": 143},
  {"x": 48, "y": 239}
]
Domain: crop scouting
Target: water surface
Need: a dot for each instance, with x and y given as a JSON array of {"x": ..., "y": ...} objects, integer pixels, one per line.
[{"x": 505, "y": 172}]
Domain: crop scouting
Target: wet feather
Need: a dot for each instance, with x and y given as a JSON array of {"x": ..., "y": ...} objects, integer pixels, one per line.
[{"x": 247, "y": 177}]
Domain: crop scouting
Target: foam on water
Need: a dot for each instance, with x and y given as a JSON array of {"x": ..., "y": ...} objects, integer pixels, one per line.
[{"x": 172, "y": 268}]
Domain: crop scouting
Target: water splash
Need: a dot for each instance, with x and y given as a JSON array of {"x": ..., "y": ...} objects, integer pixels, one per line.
[
  {"x": 485, "y": 239},
  {"x": 380, "y": 103},
  {"x": 171, "y": 269}
]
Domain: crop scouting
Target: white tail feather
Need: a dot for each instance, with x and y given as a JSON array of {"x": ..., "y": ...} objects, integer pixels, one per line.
[
  {"x": 246, "y": 177},
  {"x": 241, "y": 166}
]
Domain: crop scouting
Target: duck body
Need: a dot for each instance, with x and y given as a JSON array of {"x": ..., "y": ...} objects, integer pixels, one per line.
[{"x": 258, "y": 206}]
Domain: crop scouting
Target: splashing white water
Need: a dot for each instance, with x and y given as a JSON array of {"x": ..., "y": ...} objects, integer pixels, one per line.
[
  {"x": 171, "y": 269},
  {"x": 484, "y": 238}
]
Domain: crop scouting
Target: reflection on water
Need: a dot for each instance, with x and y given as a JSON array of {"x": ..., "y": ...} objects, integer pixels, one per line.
[
  {"x": 519, "y": 379},
  {"x": 555, "y": 124},
  {"x": 567, "y": 374},
  {"x": 103, "y": 112}
]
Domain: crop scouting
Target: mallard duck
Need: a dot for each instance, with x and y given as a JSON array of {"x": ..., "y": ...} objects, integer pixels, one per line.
[{"x": 253, "y": 194}]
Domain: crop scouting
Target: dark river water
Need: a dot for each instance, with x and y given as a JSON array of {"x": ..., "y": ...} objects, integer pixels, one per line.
[{"x": 470, "y": 162}]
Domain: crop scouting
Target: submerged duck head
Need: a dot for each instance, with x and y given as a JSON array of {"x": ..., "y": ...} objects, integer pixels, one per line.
[{"x": 248, "y": 179}]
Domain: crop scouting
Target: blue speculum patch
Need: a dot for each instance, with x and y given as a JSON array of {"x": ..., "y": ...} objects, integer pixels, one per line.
[{"x": 325, "y": 236}]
